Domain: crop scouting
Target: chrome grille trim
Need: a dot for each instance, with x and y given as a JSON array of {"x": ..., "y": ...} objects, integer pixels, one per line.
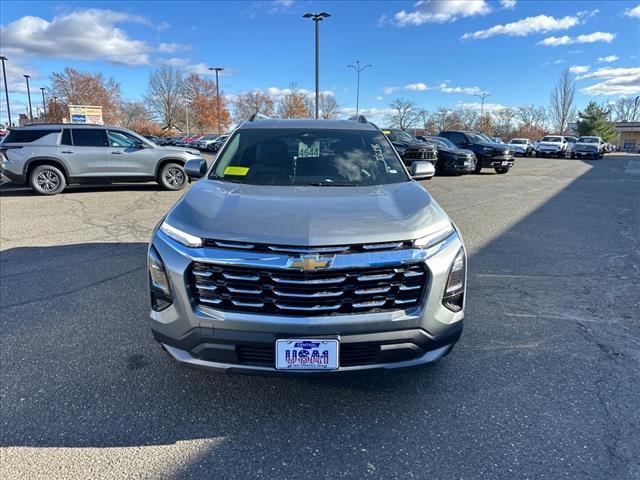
[
  {"x": 318, "y": 281},
  {"x": 367, "y": 291},
  {"x": 242, "y": 246},
  {"x": 208, "y": 288},
  {"x": 309, "y": 295},
  {"x": 305, "y": 250},
  {"x": 383, "y": 246},
  {"x": 372, "y": 304},
  {"x": 250, "y": 291},
  {"x": 371, "y": 278},
  {"x": 315, "y": 308},
  {"x": 405, "y": 288},
  {"x": 239, "y": 303},
  {"x": 251, "y": 278},
  {"x": 413, "y": 273}
]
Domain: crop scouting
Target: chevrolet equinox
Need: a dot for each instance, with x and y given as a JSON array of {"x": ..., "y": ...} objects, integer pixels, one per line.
[{"x": 307, "y": 247}]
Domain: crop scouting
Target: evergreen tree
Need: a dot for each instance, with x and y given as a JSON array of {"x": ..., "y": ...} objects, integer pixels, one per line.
[{"x": 594, "y": 120}]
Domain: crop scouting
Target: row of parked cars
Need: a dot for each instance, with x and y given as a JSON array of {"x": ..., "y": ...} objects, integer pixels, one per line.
[
  {"x": 205, "y": 143},
  {"x": 561, "y": 146},
  {"x": 453, "y": 151}
]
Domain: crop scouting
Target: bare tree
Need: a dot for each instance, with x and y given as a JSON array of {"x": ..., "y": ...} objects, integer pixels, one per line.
[
  {"x": 627, "y": 109},
  {"x": 562, "y": 110},
  {"x": 404, "y": 114},
  {"x": 133, "y": 113},
  {"x": 328, "y": 106},
  {"x": 253, "y": 102},
  {"x": 503, "y": 122},
  {"x": 443, "y": 119},
  {"x": 165, "y": 96},
  {"x": 468, "y": 119}
]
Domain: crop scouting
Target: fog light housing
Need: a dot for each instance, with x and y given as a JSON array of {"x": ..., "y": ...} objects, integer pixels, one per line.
[
  {"x": 453, "y": 297},
  {"x": 158, "y": 282}
]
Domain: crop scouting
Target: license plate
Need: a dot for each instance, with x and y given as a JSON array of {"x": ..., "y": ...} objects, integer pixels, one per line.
[
  {"x": 307, "y": 354},
  {"x": 504, "y": 164}
]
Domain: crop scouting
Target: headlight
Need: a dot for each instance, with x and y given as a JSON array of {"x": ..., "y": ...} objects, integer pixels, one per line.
[
  {"x": 179, "y": 236},
  {"x": 435, "y": 237},
  {"x": 158, "y": 281},
  {"x": 453, "y": 297}
]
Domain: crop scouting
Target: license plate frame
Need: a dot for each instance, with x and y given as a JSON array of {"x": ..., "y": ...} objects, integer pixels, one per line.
[
  {"x": 505, "y": 163},
  {"x": 314, "y": 359}
]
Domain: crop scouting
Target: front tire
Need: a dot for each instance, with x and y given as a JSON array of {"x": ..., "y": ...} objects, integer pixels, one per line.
[
  {"x": 47, "y": 180},
  {"x": 502, "y": 170},
  {"x": 172, "y": 177}
]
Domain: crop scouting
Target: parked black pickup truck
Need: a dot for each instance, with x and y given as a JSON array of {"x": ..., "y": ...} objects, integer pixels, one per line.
[
  {"x": 489, "y": 154},
  {"x": 410, "y": 148}
]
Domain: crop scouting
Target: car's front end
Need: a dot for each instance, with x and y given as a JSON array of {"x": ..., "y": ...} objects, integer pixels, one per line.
[
  {"x": 494, "y": 155},
  {"x": 456, "y": 161},
  {"x": 551, "y": 149},
  {"x": 586, "y": 150},
  {"x": 520, "y": 148},
  {"x": 317, "y": 277}
]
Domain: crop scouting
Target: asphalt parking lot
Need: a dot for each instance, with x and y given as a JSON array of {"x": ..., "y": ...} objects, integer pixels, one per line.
[{"x": 544, "y": 383}]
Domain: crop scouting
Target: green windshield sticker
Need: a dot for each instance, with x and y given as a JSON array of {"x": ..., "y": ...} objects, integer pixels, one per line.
[
  {"x": 240, "y": 171},
  {"x": 309, "y": 151}
]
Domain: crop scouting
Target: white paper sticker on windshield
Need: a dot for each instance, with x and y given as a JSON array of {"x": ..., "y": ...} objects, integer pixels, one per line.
[{"x": 309, "y": 151}]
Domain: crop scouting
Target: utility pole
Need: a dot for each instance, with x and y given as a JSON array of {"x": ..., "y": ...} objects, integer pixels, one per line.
[
  {"x": 358, "y": 69},
  {"x": 6, "y": 87},
  {"x": 217, "y": 70},
  {"x": 482, "y": 95},
  {"x": 44, "y": 105},
  {"x": 317, "y": 18},
  {"x": 27, "y": 77}
]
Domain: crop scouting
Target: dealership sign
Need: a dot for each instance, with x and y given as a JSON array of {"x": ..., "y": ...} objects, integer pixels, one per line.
[{"x": 86, "y": 114}]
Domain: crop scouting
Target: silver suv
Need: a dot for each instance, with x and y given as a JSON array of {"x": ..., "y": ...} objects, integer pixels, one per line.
[
  {"x": 48, "y": 157},
  {"x": 307, "y": 247}
]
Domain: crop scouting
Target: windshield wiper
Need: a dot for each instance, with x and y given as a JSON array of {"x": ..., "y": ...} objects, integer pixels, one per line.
[{"x": 328, "y": 184}]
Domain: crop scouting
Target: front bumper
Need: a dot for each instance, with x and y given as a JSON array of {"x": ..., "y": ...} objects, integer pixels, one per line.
[
  {"x": 497, "y": 161},
  {"x": 208, "y": 338},
  {"x": 586, "y": 154}
]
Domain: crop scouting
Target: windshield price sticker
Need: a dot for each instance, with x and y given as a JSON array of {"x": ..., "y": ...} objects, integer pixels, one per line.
[
  {"x": 309, "y": 151},
  {"x": 240, "y": 171}
]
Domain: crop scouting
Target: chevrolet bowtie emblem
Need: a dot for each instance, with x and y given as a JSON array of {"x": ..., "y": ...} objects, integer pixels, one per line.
[{"x": 310, "y": 263}]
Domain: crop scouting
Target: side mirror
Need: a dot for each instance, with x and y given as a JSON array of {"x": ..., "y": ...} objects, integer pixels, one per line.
[
  {"x": 195, "y": 168},
  {"x": 422, "y": 170}
]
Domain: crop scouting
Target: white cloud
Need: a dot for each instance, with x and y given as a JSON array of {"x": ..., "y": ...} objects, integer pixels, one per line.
[
  {"x": 526, "y": 26},
  {"x": 438, "y": 11},
  {"x": 608, "y": 59},
  {"x": 174, "y": 62},
  {"x": 633, "y": 12},
  {"x": 376, "y": 115},
  {"x": 589, "y": 38},
  {"x": 487, "y": 108},
  {"x": 16, "y": 83},
  {"x": 508, "y": 4},
  {"x": 277, "y": 93},
  {"x": 172, "y": 47},
  {"x": 444, "y": 87},
  {"x": 613, "y": 81},
  {"x": 578, "y": 69},
  {"x": 90, "y": 34},
  {"x": 379, "y": 98},
  {"x": 416, "y": 87},
  {"x": 390, "y": 90},
  {"x": 284, "y": 3},
  {"x": 203, "y": 69},
  {"x": 558, "y": 62}
]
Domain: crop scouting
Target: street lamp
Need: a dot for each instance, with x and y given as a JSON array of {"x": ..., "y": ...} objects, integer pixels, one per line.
[
  {"x": 27, "y": 77},
  {"x": 217, "y": 70},
  {"x": 6, "y": 88},
  {"x": 44, "y": 106},
  {"x": 317, "y": 18},
  {"x": 481, "y": 95},
  {"x": 358, "y": 69}
]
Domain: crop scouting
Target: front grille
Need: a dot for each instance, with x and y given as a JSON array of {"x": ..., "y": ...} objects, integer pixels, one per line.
[
  {"x": 351, "y": 354},
  {"x": 344, "y": 249},
  {"x": 420, "y": 154},
  {"x": 298, "y": 293}
]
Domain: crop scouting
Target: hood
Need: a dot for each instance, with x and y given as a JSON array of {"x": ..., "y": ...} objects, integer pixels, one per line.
[
  {"x": 417, "y": 144},
  {"x": 180, "y": 150},
  {"x": 553, "y": 144},
  {"x": 455, "y": 151},
  {"x": 307, "y": 216},
  {"x": 498, "y": 147}
]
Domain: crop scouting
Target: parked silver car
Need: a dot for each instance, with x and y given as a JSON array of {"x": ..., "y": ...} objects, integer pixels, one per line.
[
  {"x": 305, "y": 248},
  {"x": 50, "y": 156}
]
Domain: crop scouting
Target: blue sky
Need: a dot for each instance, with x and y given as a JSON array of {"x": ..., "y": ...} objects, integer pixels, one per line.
[{"x": 435, "y": 53}]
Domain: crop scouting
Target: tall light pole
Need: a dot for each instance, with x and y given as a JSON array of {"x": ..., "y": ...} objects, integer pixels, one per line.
[
  {"x": 55, "y": 107},
  {"x": 358, "y": 69},
  {"x": 44, "y": 105},
  {"x": 482, "y": 96},
  {"x": 217, "y": 70},
  {"x": 27, "y": 77},
  {"x": 6, "y": 88},
  {"x": 317, "y": 18}
]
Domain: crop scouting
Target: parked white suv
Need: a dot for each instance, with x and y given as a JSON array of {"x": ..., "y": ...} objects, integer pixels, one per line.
[{"x": 553, "y": 146}]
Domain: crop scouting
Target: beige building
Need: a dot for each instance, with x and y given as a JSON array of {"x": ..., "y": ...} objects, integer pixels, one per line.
[{"x": 629, "y": 136}]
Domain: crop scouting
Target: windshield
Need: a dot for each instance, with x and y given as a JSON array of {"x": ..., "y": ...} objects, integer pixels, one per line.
[
  {"x": 442, "y": 142},
  {"x": 518, "y": 141},
  {"x": 478, "y": 138},
  {"x": 588, "y": 140},
  {"x": 398, "y": 136},
  {"x": 309, "y": 157},
  {"x": 552, "y": 139}
]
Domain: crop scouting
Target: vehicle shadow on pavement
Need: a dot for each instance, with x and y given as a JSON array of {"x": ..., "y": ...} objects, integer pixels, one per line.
[
  {"x": 543, "y": 382},
  {"x": 13, "y": 190}
]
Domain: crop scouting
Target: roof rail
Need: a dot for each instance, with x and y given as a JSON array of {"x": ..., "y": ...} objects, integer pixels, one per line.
[
  {"x": 258, "y": 116},
  {"x": 359, "y": 119}
]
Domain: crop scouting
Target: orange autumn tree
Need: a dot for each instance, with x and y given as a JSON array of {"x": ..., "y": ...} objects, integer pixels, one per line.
[{"x": 200, "y": 95}]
